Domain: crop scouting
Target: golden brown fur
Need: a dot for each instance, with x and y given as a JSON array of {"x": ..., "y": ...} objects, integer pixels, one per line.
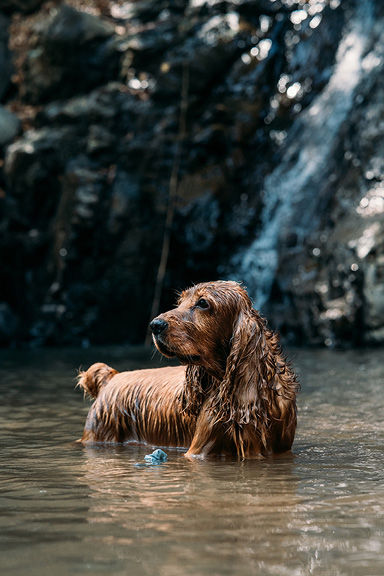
[{"x": 236, "y": 395}]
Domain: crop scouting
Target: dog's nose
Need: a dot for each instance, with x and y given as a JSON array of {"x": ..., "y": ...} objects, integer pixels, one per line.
[{"x": 158, "y": 325}]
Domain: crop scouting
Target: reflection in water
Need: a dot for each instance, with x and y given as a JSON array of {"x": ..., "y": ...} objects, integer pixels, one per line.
[
  {"x": 68, "y": 509},
  {"x": 186, "y": 507}
]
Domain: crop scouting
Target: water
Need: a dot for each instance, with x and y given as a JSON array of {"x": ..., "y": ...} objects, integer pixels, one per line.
[
  {"x": 294, "y": 191},
  {"x": 66, "y": 509}
]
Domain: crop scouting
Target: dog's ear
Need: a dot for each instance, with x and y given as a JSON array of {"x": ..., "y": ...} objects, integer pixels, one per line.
[
  {"x": 245, "y": 393},
  {"x": 246, "y": 367},
  {"x": 258, "y": 385}
]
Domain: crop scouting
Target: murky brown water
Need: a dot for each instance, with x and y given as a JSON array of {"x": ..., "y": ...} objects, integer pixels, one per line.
[{"x": 70, "y": 510}]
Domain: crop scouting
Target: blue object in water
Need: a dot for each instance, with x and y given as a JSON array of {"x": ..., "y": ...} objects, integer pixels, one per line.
[{"x": 157, "y": 457}]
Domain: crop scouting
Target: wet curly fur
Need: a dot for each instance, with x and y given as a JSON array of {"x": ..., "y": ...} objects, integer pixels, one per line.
[{"x": 235, "y": 394}]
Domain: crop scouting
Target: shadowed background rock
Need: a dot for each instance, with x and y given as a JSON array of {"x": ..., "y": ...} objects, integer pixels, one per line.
[{"x": 280, "y": 183}]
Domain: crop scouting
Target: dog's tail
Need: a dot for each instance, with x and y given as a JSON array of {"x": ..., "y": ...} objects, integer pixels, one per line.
[{"x": 93, "y": 379}]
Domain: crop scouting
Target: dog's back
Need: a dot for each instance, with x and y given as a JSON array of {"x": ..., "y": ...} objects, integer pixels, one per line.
[{"x": 136, "y": 406}]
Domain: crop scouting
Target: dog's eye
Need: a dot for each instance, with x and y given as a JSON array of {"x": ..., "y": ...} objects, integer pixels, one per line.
[{"x": 202, "y": 304}]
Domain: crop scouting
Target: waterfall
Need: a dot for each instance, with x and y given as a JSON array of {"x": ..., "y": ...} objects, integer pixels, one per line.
[{"x": 291, "y": 191}]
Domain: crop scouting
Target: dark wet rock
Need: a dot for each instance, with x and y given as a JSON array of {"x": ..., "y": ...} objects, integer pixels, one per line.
[
  {"x": 24, "y": 6},
  {"x": 68, "y": 26},
  {"x": 32, "y": 167},
  {"x": 8, "y": 324},
  {"x": 98, "y": 106},
  {"x": 90, "y": 229},
  {"x": 5, "y": 57},
  {"x": 147, "y": 11},
  {"x": 73, "y": 52},
  {"x": 9, "y": 126},
  {"x": 99, "y": 241},
  {"x": 205, "y": 56}
]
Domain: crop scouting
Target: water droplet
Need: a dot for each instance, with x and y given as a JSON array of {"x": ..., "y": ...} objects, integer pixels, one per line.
[
  {"x": 315, "y": 8},
  {"x": 264, "y": 48},
  {"x": 165, "y": 67},
  {"x": 314, "y": 23},
  {"x": 293, "y": 90},
  {"x": 278, "y": 136},
  {"x": 274, "y": 103},
  {"x": 265, "y": 23},
  {"x": 298, "y": 16},
  {"x": 134, "y": 83},
  {"x": 282, "y": 83},
  {"x": 246, "y": 58},
  {"x": 254, "y": 51}
]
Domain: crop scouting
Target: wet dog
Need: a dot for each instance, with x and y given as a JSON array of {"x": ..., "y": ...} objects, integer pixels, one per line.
[{"x": 234, "y": 394}]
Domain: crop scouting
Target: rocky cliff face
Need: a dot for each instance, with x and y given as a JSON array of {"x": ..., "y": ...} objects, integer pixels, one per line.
[{"x": 263, "y": 118}]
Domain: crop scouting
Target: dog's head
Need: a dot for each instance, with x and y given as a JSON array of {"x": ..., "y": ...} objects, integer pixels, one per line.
[
  {"x": 234, "y": 361},
  {"x": 201, "y": 329}
]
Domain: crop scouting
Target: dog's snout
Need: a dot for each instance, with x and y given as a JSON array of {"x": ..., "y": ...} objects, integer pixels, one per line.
[{"x": 158, "y": 325}]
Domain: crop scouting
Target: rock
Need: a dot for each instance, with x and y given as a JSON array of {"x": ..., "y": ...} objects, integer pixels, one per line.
[
  {"x": 9, "y": 126},
  {"x": 99, "y": 139},
  {"x": 201, "y": 222},
  {"x": 25, "y": 6},
  {"x": 203, "y": 57},
  {"x": 73, "y": 52},
  {"x": 5, "y": 57},
  {"x": 97, "y": 106},
  {"x": 8, "y": 324},
  {"x": 125, "y": 199},
  {"x": 374, "y": 292},
  {"x": 32, "y": 166},
  {"x": 68, "y": 28}
]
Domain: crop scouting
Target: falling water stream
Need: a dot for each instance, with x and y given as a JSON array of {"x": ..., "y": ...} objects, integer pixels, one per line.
[
  {"x": 292, "y": 192},
  {"x": 66, "y": 509}
]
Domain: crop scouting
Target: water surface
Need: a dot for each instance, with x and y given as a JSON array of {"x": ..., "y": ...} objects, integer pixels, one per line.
[{"x": 66, "y": 509}]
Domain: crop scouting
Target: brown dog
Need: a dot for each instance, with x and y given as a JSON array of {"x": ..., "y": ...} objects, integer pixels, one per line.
[{"x": 236, "y": 395}]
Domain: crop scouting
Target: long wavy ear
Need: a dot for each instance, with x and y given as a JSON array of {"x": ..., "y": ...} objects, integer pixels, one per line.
[
  {"x": 256, "y": 374},
  {"x": 244, "y": 367}
]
